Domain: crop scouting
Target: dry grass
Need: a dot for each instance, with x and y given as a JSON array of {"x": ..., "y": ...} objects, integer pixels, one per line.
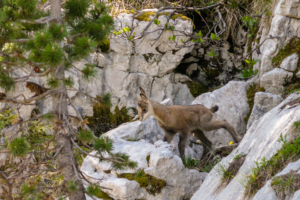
[
  {"x": 233, "y": 168},
  {"x": 286, "y": 185}
]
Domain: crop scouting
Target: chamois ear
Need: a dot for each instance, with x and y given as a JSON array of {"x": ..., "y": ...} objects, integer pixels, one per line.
[{"x": 143, "y": 95}]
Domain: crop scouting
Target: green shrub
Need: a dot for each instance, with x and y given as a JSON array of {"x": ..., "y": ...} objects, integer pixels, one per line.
[
  {"x": 197, "y": 88},
  {"x": 103, "y": 119},
  {"x": 265, "y": 170}
]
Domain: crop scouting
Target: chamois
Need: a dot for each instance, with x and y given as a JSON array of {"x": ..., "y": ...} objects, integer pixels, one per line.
[{"x": 184, "y": 120}]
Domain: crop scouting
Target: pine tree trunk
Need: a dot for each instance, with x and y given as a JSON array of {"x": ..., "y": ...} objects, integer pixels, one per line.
[{"x": 62, "y": 138}]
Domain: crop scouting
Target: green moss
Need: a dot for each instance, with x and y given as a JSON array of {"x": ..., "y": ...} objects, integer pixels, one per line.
[
  {"x": 197, "y": 88},
  {"x": 145, "y": 16},
  {"x": 148, "y": 159},
  {"x": 150, "y": 183},
  {"x": 103, "y": 119},
  {"x": 292, "y": 47},
  {"x": 95, "y": 190},
  {"x": 250, "y": 96},
  {"x": 265, "y": 170}
]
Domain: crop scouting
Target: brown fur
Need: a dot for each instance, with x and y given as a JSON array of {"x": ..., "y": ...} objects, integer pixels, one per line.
[{"x": 184, "y": 120}]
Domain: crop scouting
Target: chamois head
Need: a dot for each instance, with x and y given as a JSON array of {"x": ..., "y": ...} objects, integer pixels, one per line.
[{"x": 145, "y": 109}]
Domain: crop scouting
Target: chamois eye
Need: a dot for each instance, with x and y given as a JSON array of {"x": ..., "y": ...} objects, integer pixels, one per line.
[{"x": 144, "y": 110}]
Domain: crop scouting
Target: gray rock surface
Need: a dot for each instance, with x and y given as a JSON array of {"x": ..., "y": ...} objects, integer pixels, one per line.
[
  {"x": 274, "y": 80},
  {"x": 263, "y": 102},
  {"x": 260, "y": 141},
  {"x": 290, "y": 63},
  {"x": 233, "y": 107}
]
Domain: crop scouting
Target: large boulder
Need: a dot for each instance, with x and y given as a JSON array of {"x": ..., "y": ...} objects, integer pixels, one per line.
[
  {"x": 162, "y": 163},
  {"x": 263, "y": 102},
  {"x": 233, "y": 107},
  {"x": 290, "y": 63},
  {"x": 274, "y": 80},
  {"x": 260, "y": 141}
]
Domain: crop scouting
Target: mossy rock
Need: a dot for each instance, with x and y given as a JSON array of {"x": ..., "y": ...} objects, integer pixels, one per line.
[
  {"x": 150, "y": 183},
  {"x": 250, "y": 96},
  {"x": 145, "y": 16},
  {"x": 197, "y": 88},
  {"x": 292, "y": 47}
]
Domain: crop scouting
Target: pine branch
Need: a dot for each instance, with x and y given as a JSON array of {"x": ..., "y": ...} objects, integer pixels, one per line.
[
  {"x": 27, "y": 101},
  {"x": 102, "y": 158},
  {"x": 43, "y": 20}
]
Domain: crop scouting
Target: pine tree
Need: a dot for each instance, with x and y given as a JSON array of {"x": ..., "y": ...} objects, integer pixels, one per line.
[{"x": 38, "y": 164}]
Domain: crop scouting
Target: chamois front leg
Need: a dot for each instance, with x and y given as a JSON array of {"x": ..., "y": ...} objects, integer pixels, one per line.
[
  {"x": 213, "y": 125},
  {"x": 183, "y": 136},
  {"x": 168, "y": 134}
]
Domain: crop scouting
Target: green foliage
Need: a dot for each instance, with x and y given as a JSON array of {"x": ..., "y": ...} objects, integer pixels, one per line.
[
  {"x": 297, "y": 125},
  {"x": 286, "y": 185},
  {"x": 233, "y": 168},
  {"x": 89, "y": 71},
  {"x": 26, "y": 189},
  {"x": 190, "y": 163},
  {"x": 156, "y": 21},
  {"x": 48, "y": 116},
  {"x": 170, "y": 28},
  {"x": 72, "y": 186},
  {"x": 52, "y": 55},
  {"x": 6, "y": 82},
  {"x": 83, "y": 46},
  {"x": 41, "y": 39},
  {"x": 264, "y": 169},
  {"x": 103, "y": 119},
  {"x": 53, "y": 83},
  {"x": 103, "y": 145},
  {"x": 247, "y": 73},
  {"x": 150, "y": 183},
  {"x": 95, "y": 190},
  {"x": 125, "y": 162},
  {"x": 212, "y": 53},
  {"x": 251, "y": 23},
  {"x": 68, "y": 82},
  {"x": 19, "y": 147},
  {"x": 86, "y": 136},
  {"x": 292, "y": 47},
  {"x": 172, "y": 38},
  {"x": 148, "y": 159},
  {"x": 6, "y": 118},
  {"x": 104, "y": 45},
  {"x": 214, "y": 37},
  {"x": 76, "y": 9},
  {"x": 197, "y": 88},
  {"x": 58, "y": 31}
]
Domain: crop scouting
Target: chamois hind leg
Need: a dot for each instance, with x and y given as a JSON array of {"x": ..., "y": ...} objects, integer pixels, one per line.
[
  {"x": 206, "y": 143},
  {"x": 182, "y": 142},
  {"x": 213, "y": 125}
]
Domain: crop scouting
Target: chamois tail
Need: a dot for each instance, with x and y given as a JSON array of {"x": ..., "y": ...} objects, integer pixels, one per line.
[{"x": 214, "y": 109}]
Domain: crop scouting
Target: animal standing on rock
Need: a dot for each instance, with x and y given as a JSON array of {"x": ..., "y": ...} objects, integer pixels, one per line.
[{"x": 184, "y": 120}]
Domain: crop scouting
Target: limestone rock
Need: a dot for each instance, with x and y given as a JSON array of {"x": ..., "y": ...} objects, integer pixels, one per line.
[
  {"x": 290, "y": 63},
  {"x": 233, "y": 107},
  {"x": 263, "y": 102},
  {"x": 163, "y": 164},
  {"x": 274, "y": 80},
  {"x": 191, "y": 68},
  {"x": 260, "y": 141}
]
